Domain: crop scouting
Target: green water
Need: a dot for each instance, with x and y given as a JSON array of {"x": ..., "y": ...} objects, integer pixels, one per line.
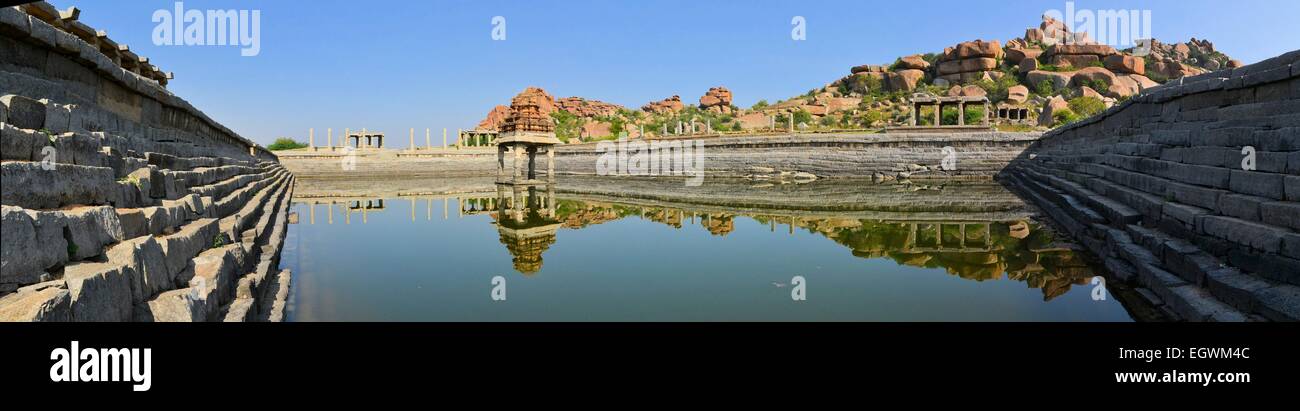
[{"x": 400, "y": 259}]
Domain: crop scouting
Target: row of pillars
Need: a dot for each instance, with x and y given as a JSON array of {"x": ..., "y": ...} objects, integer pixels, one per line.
[
  {"x": 357, "y": 142},
  {"x": 938, "y": 112},
  {"x": 365, "y": 207}
]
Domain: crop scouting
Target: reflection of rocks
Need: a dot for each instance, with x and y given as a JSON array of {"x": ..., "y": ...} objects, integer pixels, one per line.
[
  {"x": 719, "y": 224},
  {"x": 585, "y": 215}
]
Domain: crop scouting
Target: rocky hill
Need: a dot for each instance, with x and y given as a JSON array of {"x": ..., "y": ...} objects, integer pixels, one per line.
[{"x": 1047, "y": 77}]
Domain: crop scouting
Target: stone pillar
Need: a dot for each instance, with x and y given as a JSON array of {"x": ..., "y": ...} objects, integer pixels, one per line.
[
  {"x": 501, "y": 162},
  {"x": 916, "y": 112},
  {"x": 532, "y": 162},
  {"x": 550, "y": 163},
  {"x": 771, "y": 123},
  {"x": 518, "y": 149},
  {"x": 961, "y": 113},
  {"x": 347, "y": 137},
  {"x": 329, "y": 138},
  {"x": 428, "y": 144},
  {"x": 938, "y": 114},
  {"x": 986, "y": 113},
  {"x": 311, "y": 138},
  {"x": 412, "y": 139},
  {"x": 365, "y": 133},
  {"x": 458, "y": 137},
  {"x": 444, "y": 138}
]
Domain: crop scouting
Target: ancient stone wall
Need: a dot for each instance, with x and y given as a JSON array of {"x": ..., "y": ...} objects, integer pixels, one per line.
[
  {"x": 120, "y": 201},
  {"x": 1160, "y": 187},
  {"x": 887, "y": 156}
]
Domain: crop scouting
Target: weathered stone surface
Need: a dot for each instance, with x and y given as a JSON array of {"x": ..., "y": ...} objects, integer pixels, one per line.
[
  {"x": 913, "y": 62},
  {"x": 192, "y": 239},
  {"x": 133, "y": 222},
  {"x": 903, "y": 80},
  {"x": 45, "y": 302},
  {"x": 1281, "y": 213},
  {"x": 1258, "y": 236},
  {"x": 24, "y": 112},
  {"x": 172, "y": 306},
  {"x": 1052, "y": 106},
  {"x": 1279, "y": 303},
  {"x": 1059, "y": 81},
  {"x": 1257, "y": 183},
  {"x": 99, "y": 291},
  {"x": 1017, "y": 94},
  {"x": 1016, "y": 55},
  {"x": 33, "y": 241},
  {"x": 144, "y": 260},
  {"x": 1120, "y": 63},
  {"x": 90, "y": 229},
  {"x": 29, "y": 185}
]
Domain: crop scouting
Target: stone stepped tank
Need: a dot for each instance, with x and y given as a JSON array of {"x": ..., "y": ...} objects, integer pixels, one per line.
[
  {"x": 1190, "y": 191},
  {"x": 121, "y": 201}
]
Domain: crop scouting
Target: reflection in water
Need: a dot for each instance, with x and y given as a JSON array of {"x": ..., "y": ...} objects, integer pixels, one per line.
[
  {"x": 870, "y": 253},
  {"x": 528, "y": 219}
]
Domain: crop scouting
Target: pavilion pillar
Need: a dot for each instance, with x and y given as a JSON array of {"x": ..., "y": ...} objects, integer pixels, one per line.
[
  {"x": 938, "y": 114},
  {"x": 916, "y": 111},
  {"x": 427, "y": 142},
  {"x": 550, "y": 164},
  {"x": 459, "y": 143},
  {"x": 518, "y": 148},
  {"x": 329, "y": 138},
  {"x": 412, "y": 139},
  {"x": 986, "y": 112},
  {"x": 501, "y": 162},
  {"x": 347, "y": 137},
  {"x": 961, "y": 113},
  {"x": 532, "y": 162},
  {"x": 311, "y": 138}
]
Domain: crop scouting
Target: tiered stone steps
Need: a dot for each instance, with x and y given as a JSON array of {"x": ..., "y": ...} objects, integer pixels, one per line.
[{"x": 1158, "y": 189}]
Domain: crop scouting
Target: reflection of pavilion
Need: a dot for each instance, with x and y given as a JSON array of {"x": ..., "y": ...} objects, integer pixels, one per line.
[{"x": 527, "y": 223}]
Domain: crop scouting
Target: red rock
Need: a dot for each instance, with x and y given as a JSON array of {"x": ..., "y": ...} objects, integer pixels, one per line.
[
  {"x": 867, "y": 68},
  {"x": 1234, "y": 63},
  {"x": 494, "y": 118},
  {"x": 978, "y": 48},
  {"x": 1055, "y": 104},
  {"x": 903, "y": 80},
  {"x": 913, "y": 62},
  {"x": 1086, "y": 91},
  {"x": 718, "y": 97},
  {"x": 979, "y": 64},
  {"x": 1028, "y": 65},
  {"x": 1017, "y": 94},
  {"x": 669, "y": 105},
  {"x": 587, "y": 108},
  {"x": 1017, "y": 55},
  {"x": 1120, "y": 63}
]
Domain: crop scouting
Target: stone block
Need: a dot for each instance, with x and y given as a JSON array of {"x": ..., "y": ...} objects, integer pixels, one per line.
[
  {"x": 134, "y": 224},
  {"x": 1281, "y": 213},
  {"x": 144, "y": 259},
  {"x": 1195, "y": 304},
  {"x": 45, "y": 302},
  {"x": 14, "y": 22},
  {"x": 30, "y": 185},
  {"x": 1241, "y": 206},
  {"x": 1282, "y": 139},
  {"x": 1279, "y": 303},
  {"x": 31, "y": 242},
  {"x": 1257, "y": 183},
  {"x": 172, "y": 306},
  {"x": 90, "y": 229},
  {"x": 1258, "y": 236},
  {"x": 1234, "y": 288},
  {"x": 99, "y": 292},
  {"x": 192, "y": 239},
  {"x": 1291, "y": 185},
  {"x": 24, "y": 112}
]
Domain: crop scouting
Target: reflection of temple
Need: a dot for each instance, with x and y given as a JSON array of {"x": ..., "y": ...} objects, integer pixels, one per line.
[{"x": 526, "y": 221}]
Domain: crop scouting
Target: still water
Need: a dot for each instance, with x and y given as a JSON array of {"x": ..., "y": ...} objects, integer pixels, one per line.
[{"x": 556, "y": 255}]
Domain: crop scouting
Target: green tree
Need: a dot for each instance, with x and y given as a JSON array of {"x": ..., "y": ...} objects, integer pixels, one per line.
[
  {"x": 761, "y": 104},
  {"x": 567, "y": 125},
  {"x": 284, "y": 143},
  {"x": 1086, "y": 106}
]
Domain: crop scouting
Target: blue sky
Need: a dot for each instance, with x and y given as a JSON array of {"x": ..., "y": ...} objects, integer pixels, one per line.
[{"x": 395, "y": 65}]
